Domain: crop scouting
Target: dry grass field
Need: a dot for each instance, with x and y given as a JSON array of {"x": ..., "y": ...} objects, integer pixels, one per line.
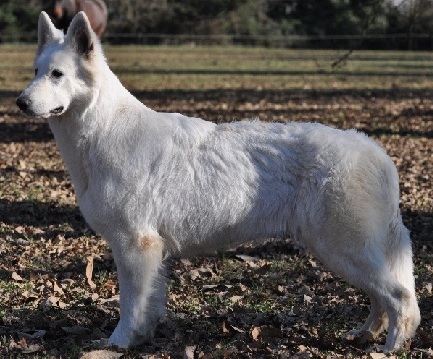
[{"x": 58, "y": 288}]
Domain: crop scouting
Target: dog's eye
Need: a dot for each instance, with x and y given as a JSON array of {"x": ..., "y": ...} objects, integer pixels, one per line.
[{"x": 57, "y": 73}]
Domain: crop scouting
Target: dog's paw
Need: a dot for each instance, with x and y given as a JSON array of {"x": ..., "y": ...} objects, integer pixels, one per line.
[
  {"x": 124, "y": 338},
  {"x": 119, "y": 338}
]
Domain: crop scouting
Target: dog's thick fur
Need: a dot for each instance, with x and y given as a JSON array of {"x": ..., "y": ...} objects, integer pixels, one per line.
[{"x": 157, "y": 184}]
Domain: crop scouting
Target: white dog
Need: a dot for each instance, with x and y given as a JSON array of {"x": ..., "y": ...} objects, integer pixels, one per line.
[{"x": 157, "y": 184}]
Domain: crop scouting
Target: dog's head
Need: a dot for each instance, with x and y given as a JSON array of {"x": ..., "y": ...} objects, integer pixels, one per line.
[{"x": 63, "y": 68}]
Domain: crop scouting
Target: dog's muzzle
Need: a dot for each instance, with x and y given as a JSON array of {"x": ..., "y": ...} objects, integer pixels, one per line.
[{"x": 23, "y": 103}]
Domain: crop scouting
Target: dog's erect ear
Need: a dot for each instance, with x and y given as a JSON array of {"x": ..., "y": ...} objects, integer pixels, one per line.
[
  {"x": 47, "y": 32},
  {"x": 81, "y": 36}
]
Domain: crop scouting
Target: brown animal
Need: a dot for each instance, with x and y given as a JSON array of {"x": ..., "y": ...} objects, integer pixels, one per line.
[{"x": 96, "y": 11}]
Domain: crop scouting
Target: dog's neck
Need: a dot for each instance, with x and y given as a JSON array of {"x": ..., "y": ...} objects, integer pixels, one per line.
[{"x": 87, "y": 123}]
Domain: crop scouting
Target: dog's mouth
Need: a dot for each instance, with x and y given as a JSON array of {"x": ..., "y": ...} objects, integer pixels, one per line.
[{"x": 57, "y": 110}]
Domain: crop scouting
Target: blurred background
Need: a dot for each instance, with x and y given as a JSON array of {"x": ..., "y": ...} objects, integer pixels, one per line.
[{"x": 367, "y": 24}]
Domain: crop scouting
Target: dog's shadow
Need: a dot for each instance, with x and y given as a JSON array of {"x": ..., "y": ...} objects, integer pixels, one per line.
[{"x": 51, "y": 217}]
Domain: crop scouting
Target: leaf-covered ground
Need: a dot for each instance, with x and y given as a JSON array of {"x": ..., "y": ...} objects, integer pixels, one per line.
[{"x": 58, "y": 287}]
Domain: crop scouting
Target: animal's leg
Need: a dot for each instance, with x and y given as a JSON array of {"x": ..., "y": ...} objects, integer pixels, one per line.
[
  {"x": 142, "y": 290},
  {"x": 400, "y": 303},
  {"x": 401, "y": 264},
  {"x": 403, "y": 313},
  {"x": 375, "y": 324},
  {"x": 372, "y": 274}
]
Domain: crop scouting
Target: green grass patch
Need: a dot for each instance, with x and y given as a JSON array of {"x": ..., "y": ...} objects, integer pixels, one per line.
[{"x": 184, "y": 67}]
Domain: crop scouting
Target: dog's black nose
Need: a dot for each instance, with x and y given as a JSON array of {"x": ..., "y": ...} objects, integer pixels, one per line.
[{"x": 23, "y": 103}]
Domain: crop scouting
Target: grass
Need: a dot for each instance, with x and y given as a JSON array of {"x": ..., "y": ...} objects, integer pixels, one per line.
[{"x": 186, "y": 67}]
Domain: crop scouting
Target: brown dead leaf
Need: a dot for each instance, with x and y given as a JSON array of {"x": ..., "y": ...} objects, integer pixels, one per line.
[
  {"x": 251, "y": 261},
  {"x": 32, "y": 348},
  {"x": 302, "y": 348},
  {"x": 23, "y": 342},
  {"x": 255, "y": 333},
  {"x": 307, "y": 298},
  {"x": 61, "y": 305},
  {"x": 56, "y": 288},
  {"x": 236, "y": 298},
  {"x": 189, "y": 352},
  {"x": 378, "y": 355},
  {"x": 50, "y": 302},
  {"x": 246, "y": 258},
  {"x": 89, "y": 272},
  {"x": 20, "y": 229},
  {"x": 16, "y": 277},
  {"x": 101, "y": 354}
]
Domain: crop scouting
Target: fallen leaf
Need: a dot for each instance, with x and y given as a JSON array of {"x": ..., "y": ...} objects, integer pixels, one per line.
[
  {"x": 89, "y": 272},
  {"x": 114, "y": 300},
  {"x": 61, "y": 305},
  {"x": 302, "y": 348},
  {"x": 377, "y": 355},
  {"x": 101, "y": 354},
  {"x": 251, "y": 261},
  {"x": 16, "y": 277},
  {"x": 20, "y": 229},
  {"x": 32, "y": 348},
  {"x": 189, "y": 352},
  {"x": 236, "y": 298},
  {"x": 307, "y": 298},
  {"x": 56, "y": 288},
  {"x": 255, "y": 333}
]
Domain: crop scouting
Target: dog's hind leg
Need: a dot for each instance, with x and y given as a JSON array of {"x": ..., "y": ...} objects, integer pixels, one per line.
[
  {"x": 391, "y": 301},
  {"x": 402, "y": 309},
  {"x": 406, "y": 317},
  {"x": 142, "y": 289},
  {"x": 385, "y": 274},
  {"x": 375, "y": 324}
]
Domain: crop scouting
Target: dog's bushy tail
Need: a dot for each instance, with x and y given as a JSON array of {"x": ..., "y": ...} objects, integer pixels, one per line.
[
  {"x": 398, "y": 244},
  {"x": 400, "y": 262},
  {"x": 399, "y": 249}
]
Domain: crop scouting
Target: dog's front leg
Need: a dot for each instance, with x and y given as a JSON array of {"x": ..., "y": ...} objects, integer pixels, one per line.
[{"x": 142, "y": 289}]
